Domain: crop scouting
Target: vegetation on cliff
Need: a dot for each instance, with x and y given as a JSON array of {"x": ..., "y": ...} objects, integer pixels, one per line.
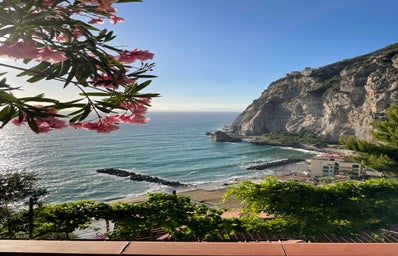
[
  {"x": 340, "y": 99},
  {"x": 382, "y": 154},
  {"x": 284, "y": 138}
]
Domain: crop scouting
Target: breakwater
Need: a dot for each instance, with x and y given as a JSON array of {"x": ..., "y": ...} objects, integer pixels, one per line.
[
  {"x": 265, "y": 165},
  {"x": 140, "y": 177}
]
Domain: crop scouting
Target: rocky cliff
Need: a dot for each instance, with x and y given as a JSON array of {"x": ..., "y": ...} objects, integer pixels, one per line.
[{"x": 343, "y": 98}]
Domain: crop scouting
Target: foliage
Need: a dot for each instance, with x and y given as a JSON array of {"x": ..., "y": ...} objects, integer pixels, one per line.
[
  {"x": 381, "y": 155},
  {"x": 63, "y": 218},
  {"x": 173, "y": 214},
  {"x": 15, "y": 190},
  {"x": 176, "y": 215},
  {"x": 52, "y": 42},
  {"x": 302, "y": 209},
  {"x": 291, "y": 139}
]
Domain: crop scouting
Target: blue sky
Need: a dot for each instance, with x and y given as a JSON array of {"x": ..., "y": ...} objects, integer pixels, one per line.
[{"x": 220, "y": 55}]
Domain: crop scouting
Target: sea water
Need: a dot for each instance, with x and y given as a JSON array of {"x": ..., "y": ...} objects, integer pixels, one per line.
[{"x": 172, "y": 146}]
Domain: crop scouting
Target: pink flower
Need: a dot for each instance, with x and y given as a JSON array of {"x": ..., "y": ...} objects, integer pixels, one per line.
[
  {"x": 47, "y": 3},
  {"x": 126, "y": 57},
  {"x": 140, "y": 109},
  {"x": 96, "y": 21},
  {"x": 112, "y": 119},
  {"x": 77, "y": 125},
  {"x": 136, "y": 107},
  {"x": 101, "y": 126},
  {"x": 60, "y": 38},
  {"x": 114, "y": 19},
  {"x": 20, "y": 50},
  {"x": 57, "y": 124},
  {"x": 77, "y": 32},
  {"x": 142, "y": 55},
  {"x": 131, "y": 56},
  {"x": 108, "y": 81},
  {"x": 45, "y": 124},
  {"x": 16, "y": 121},
  {"x": 134, "y": 119},
  {"x": 43, "y": 127},
  {"x": 28, "y": 50},
  {"x": 49, "y": 55}
]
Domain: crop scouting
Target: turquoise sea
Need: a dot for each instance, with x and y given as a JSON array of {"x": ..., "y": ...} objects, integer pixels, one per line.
[{"x": 171, "y": 146}]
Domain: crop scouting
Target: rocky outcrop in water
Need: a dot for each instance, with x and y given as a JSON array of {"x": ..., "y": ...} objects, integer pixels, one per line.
[
  {"x": 140, "y": 177},
  {"x": 343, "y": 98},
  {"x": 224, "y": 137}
]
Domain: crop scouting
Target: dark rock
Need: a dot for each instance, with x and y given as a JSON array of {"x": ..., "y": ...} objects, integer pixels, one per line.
[
  {"x": 266, "y": 165},
  {"x": 224, "y": 137},
  {"x": 140, "y": 177}
]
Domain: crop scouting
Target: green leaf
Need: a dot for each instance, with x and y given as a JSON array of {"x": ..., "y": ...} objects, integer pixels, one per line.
[
  {"x": 77, "y": 111},
  {"x": 32, "y": 124},
  {"x": 75, "y": 118},
  {"x": 145, "y": 76},
  {"x": 6, "y": 114},
  {"x": 143, "y": 85},
  {"x": 36, "y": 78},
  {"x": 38, "y": 98},
  {"x": 94, "y": 94},
  {"x": 86, "y": 112},
  {"x": 105, "y": 110},
  {"x": 148, "y": 95},
  {"x": 7, "y": 97},
  {"x": 72, "y": 74},
  {"x": 69, "y": 104}
]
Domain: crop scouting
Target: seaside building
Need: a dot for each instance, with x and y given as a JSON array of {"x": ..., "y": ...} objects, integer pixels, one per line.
[{"x": 328, "y": 165}]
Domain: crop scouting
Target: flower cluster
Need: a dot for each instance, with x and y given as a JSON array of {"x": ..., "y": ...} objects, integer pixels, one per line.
[
  {"x": 109, "y": 123},
  {"x": 76, "y": 54},
  {"x": 132, "y": 56},
  {"x": 102, "y": 5},
  {"x": 30, "y": 50},
  {"x": 44, "y": 124}
]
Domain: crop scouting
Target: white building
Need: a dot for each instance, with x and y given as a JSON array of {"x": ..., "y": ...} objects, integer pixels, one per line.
[{"x": 335, "y": 164}]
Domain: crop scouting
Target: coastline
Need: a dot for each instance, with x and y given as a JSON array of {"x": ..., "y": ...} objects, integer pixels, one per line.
[{"x": 211, "y": 194}]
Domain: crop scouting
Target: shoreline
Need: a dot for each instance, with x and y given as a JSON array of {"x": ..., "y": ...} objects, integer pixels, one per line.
[{"x": 211, "y": 194}]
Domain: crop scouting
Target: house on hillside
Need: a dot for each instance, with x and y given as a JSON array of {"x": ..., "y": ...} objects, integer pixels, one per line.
[{"x": 327, "y": 165}]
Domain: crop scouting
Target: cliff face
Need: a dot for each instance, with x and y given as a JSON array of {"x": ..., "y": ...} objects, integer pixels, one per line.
[{"x": 343, "y": 98}]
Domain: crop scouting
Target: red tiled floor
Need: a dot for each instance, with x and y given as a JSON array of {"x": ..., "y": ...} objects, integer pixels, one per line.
[
  {"x": 37, "y": 247},
  {"x": 342, "y": 249},
  {"x": 204, "y": 248},
  {"x": 288, "y": 248}
]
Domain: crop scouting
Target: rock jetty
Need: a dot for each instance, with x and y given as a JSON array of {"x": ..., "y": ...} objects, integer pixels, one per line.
[
  {"x": 140, "y": 177},
  {"x": 265, "y": 165}
]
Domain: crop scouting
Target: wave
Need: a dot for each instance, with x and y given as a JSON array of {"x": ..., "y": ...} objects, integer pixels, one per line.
[{"x": 314, "y": 152}]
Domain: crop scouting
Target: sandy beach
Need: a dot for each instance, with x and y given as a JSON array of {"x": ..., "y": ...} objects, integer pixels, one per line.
[
  {"x": 209, "y": 197},
  {"x": 212, "y": 194}
]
